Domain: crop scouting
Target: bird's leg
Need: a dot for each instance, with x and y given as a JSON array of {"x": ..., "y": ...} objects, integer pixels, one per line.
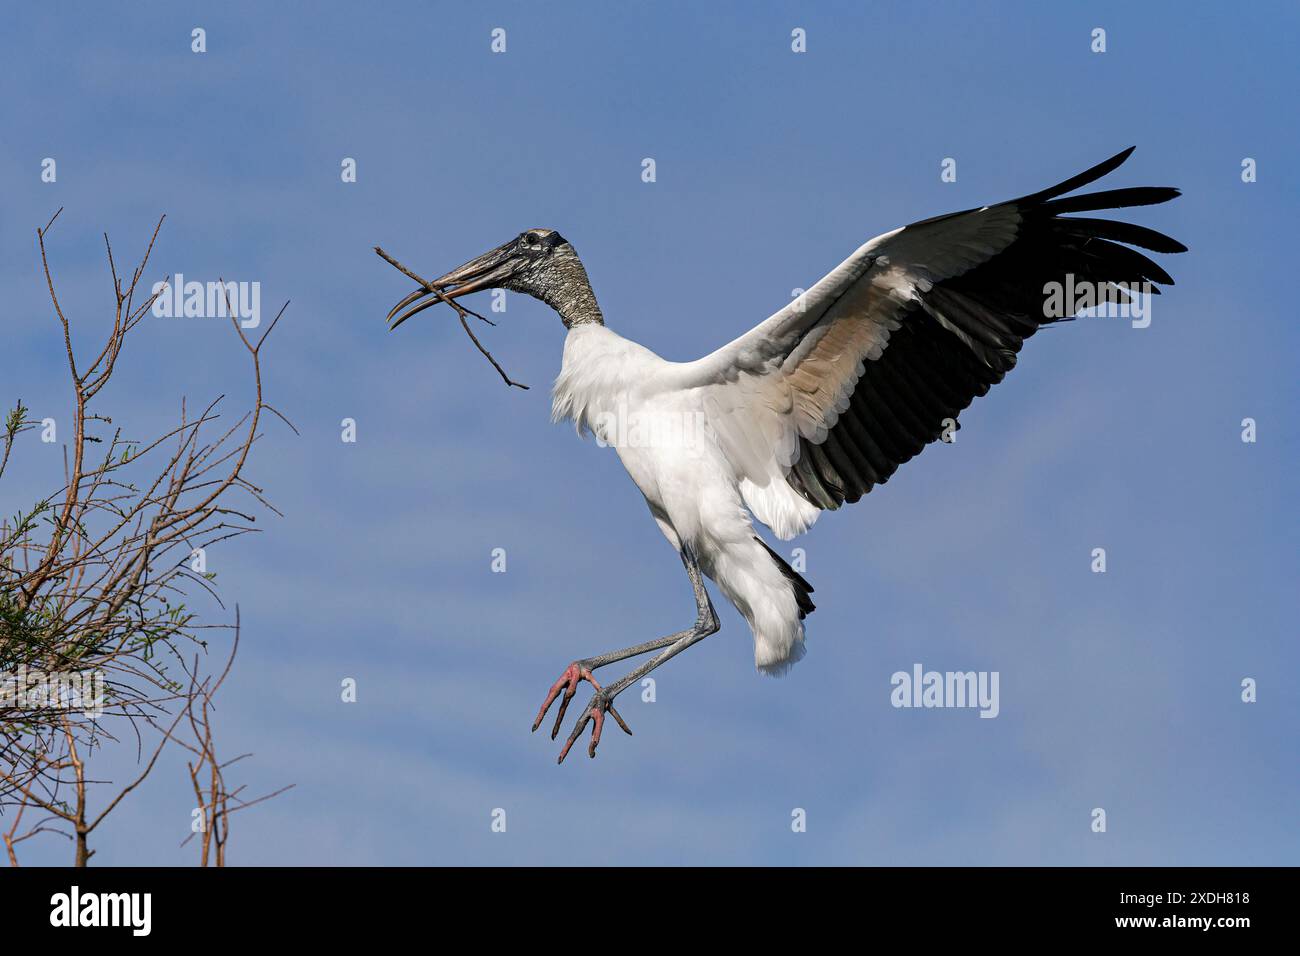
[
  {"x": 581, "y": 670},
  {"x": 706, "y": 623}
]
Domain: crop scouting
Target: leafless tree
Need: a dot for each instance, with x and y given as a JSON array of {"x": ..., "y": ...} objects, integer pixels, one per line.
[{"x": 96, "y": 628}]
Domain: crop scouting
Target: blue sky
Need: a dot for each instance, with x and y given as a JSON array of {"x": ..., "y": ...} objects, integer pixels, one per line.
[{"x": 1118, "y": 690}]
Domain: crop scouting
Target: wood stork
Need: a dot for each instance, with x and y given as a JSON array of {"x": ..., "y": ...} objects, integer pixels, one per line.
[{"x": 816, "y": 405}]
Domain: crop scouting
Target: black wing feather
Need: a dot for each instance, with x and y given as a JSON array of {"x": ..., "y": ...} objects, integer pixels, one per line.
[{"x": 926, "y": 375}]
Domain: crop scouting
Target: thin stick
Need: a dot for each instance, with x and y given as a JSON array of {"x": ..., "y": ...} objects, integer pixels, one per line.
[
  {"x": 461, "y": 312},
  {"x": 424, "y": 282}
]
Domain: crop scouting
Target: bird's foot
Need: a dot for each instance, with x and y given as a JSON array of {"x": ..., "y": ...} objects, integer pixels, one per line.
[
  {"x": 573, "y": 675},
  {"x": 600, "y": 702}
]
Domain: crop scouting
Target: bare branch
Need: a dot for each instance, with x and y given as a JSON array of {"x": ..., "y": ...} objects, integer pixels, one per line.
[{"x": 93, "y": 583}]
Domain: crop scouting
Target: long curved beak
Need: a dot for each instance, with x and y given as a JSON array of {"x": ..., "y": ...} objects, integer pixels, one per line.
[{"x": 484, "y": 272}]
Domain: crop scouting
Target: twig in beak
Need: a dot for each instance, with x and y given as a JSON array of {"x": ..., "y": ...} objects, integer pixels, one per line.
[{"x": 461, "y": 312}]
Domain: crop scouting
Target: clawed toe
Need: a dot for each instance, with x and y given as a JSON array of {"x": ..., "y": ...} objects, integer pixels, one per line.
[
  {"x": 595, "y": 712},
  {"x": 573, "y": 675},
  {"x": 601, "y": 703}
]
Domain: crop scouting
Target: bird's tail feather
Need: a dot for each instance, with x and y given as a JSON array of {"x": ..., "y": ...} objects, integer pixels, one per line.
[
  {"x": 771, "y": 595},
  {"x": 801, "y": 586}
]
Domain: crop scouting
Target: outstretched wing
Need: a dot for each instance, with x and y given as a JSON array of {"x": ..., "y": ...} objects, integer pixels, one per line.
[{"x": 825, "y": 399}]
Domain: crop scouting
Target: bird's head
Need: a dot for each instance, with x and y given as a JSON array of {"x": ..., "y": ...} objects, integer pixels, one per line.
[{"x": 538, "y": 262}]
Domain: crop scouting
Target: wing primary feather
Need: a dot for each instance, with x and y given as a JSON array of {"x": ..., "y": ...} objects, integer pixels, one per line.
[
  {"x": 1113, "y": 199},
  {"x": 1131, "y": 233},
  {"x": 1082, "y": 179},
  {"x": 1131, "y": 264}
]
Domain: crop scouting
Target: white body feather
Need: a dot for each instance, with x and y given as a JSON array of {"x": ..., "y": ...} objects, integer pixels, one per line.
[{"x": 666, "y": 437}]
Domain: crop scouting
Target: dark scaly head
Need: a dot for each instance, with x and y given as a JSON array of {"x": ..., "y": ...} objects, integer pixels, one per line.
[{"x": 538, "y": 262}]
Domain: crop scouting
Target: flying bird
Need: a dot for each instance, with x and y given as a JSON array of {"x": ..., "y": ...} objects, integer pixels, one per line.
[{"x": 816, "y": 405}]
